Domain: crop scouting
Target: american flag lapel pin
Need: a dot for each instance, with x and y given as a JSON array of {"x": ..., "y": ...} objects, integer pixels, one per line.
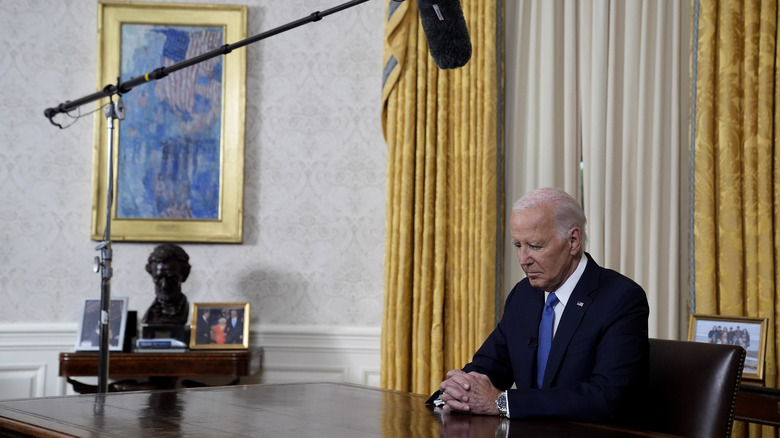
[{"x": 580, "y": 303}]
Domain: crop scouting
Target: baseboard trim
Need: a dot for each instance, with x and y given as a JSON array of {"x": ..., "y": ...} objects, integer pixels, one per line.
[{"x": 30, "y": 355}]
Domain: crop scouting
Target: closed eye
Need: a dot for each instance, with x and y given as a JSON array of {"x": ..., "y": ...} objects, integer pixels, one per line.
[{"x": 518, "y": 245}]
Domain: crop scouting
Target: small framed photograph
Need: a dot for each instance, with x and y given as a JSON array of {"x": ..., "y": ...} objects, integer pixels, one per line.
[
  {"x": 220, "y": 326},
  {"x": 749, "y": 333},
  {"x": 88, "y": 338}
]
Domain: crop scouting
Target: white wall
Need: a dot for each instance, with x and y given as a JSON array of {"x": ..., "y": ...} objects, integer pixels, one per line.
[{"x": 311, "y": 261}]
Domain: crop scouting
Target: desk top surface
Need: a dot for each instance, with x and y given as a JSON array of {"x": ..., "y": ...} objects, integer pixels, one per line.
[{"x": 318, "y": 409}]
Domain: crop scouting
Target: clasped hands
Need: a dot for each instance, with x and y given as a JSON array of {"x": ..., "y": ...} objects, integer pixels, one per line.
[{"x": 469, "y": 392}]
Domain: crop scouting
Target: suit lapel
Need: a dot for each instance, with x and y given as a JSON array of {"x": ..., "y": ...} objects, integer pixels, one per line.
[{"x": 578, "y": 304}]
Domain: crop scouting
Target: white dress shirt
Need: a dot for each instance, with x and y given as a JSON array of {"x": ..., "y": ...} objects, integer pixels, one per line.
[{"x": 564, "y": 292}]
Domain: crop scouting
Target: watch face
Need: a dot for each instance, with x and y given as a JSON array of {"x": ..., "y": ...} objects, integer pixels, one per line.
[{"x": 501, "y": 403}]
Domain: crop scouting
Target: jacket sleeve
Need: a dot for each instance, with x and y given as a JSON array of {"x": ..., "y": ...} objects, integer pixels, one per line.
[{"x": 492, "y": 358}]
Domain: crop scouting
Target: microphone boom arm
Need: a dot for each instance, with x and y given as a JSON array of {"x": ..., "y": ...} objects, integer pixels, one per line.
[{"x": 161, "y": 72}]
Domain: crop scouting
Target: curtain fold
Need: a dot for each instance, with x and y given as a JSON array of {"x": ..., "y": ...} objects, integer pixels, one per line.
[
  {"x": 594, "y": 93},
  {"x": 633, "y": 147},
  {"x": 736, "y": 163},
  {"x": 443, "y": 188}
]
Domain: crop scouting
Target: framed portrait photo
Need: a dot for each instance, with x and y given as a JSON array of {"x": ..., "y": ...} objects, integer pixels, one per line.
[
  {"x": 220, "y": 326},
  {"x": 88, "y": 338},
  {"x": 178, "y": 154},
  {"x": 749, "y": 333}
]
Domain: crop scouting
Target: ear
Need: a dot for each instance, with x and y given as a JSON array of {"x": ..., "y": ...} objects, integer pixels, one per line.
[{"x": 575, "y": 241}]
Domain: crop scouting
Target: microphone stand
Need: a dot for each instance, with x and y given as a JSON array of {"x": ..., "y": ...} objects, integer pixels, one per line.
[{"x": 116, "y": 111}]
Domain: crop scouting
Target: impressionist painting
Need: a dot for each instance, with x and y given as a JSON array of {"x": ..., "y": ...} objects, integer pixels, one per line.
[
  {"x": 169, "y": 159},
  {"x": 175, "y": 162}
]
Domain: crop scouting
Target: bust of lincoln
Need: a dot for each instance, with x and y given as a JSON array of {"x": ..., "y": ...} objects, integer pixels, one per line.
[{"x": 169, "y": 267}]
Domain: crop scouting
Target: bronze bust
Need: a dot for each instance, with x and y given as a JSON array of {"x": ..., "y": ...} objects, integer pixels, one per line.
[{"x": 169, "y": 267}]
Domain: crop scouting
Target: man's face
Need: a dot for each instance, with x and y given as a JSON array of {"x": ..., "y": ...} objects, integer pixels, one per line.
[
  {"x": 546, "y": 260},
  {"x": 167, "y": 281}
]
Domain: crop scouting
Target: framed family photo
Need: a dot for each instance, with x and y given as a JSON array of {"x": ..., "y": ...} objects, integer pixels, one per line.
[
  {"x": 749, "y": 333},
  {"x": 220, "y": 326},
  {"x": 178, "y": 154},
  {"x": 88, "y": 338}
]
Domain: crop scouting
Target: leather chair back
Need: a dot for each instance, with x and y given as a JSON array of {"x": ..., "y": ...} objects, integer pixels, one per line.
[{"x": 693, "y": 387}]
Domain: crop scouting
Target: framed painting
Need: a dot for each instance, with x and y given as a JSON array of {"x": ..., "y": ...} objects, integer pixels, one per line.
[
  {"x": 220, "y": 326},
  {"x": 749, "y": 333},
  {"x": 178, "y": 154},
  {"x": 88, "y": 337}
]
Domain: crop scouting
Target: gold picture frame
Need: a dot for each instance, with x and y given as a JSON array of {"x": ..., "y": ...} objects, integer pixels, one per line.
[
  {"x": 179, "y": 177},
  {"x": 750, "y": 333},
  {"x": 220, "y": 326}
]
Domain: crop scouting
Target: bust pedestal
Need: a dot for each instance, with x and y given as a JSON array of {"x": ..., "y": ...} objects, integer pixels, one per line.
[{"x": 166, "y": 331}]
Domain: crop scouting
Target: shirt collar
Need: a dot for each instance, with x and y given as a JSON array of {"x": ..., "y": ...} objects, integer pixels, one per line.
[{"x": 564, "y": 292}]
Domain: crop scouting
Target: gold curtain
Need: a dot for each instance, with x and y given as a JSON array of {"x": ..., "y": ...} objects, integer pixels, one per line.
[
  {"x": 444, "y": 216},
  {"x": 736, "y": 260}
]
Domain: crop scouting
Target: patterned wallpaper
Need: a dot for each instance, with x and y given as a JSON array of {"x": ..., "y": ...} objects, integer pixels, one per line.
[{"x": 314, "y": 173}]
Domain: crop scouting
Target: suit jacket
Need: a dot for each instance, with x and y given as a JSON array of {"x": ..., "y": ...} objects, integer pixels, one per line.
[
  {"x": 598, "y": 362},
  {"x": 204, "y": 330},
  {"x": 235, "y": 335}
]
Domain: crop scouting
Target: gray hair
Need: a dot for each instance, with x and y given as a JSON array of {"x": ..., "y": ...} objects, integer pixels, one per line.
[{"x": 567, "y": 212}]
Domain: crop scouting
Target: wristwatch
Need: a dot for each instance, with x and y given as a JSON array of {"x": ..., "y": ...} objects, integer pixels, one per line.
[{"x": 501, "y": 404}]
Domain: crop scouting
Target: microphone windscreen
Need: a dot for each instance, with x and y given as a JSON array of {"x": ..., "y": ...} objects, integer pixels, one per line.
[{"x": 446, "y": 31}]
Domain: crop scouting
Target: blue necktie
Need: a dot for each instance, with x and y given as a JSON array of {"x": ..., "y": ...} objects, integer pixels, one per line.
[{"x": 545, "y": 337}]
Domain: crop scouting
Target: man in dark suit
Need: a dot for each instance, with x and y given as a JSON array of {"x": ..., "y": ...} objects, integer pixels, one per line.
[
  {"x": 235, "y": 327},
  {"x": 598, "y": 358},
  {"x": 203, "y": 327}
]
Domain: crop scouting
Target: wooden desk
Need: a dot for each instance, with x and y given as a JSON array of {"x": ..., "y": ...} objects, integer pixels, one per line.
[
  {"x": 286, "y": 410},
  {"x": 758, "y": 404},
  {"x": 163, "y": 370}
]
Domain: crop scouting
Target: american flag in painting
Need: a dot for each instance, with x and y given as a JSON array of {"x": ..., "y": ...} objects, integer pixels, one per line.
[
  {"x": 195, "y": 91},
  {"x": 170, "y": 142}
]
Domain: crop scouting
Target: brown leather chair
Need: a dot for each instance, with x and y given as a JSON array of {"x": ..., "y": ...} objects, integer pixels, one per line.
[{"x": 693, "y": 387}]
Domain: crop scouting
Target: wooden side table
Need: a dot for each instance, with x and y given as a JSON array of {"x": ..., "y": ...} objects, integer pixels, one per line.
[
  {"x": 163, "y": 370},
  {"x": 758, "y": 404}
]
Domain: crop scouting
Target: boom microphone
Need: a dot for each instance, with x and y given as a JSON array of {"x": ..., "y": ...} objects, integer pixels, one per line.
[{"x": 446, "y": 31}]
